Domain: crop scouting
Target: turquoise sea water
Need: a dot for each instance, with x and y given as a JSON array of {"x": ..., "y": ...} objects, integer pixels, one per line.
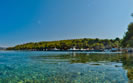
[{"x": 65, "y": 67}]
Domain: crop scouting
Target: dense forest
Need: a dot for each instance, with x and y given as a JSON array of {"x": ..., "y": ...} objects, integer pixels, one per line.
[{"x": 85, "y": 43}]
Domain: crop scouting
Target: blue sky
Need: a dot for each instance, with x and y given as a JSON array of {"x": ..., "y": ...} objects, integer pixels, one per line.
[{"x": 24, "y": 21}]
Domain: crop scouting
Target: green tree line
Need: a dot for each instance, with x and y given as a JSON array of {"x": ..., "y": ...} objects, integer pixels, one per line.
[{"x": 85, "y": 43}]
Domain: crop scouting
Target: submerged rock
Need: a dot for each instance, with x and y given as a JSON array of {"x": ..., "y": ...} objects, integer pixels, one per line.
[
  {"x": 9, "y": 68},
  {"x": 1, "y": 73},
  {"x": 95, "y": 64},
  {"x": 117, "y": 66}
]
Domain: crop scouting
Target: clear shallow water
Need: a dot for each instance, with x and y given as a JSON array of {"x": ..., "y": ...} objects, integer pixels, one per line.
[{"x": 65, "y": 67}]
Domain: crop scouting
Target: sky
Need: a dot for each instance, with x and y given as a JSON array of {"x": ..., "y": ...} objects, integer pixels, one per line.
[{"x": 23, "y": 21}]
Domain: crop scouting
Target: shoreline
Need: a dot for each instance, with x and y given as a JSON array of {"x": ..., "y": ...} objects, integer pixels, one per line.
[{"x": 78, "y": 51}]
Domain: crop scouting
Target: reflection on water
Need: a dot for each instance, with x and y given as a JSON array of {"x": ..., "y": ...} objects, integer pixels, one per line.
[
  {"x": 65, "y": 67},
  {"x": 84, "y": 57}
]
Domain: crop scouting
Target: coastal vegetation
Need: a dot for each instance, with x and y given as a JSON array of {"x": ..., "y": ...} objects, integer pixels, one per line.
[
  {"x": 128, "y": 38},
  {"x": 85, "y": 43}
]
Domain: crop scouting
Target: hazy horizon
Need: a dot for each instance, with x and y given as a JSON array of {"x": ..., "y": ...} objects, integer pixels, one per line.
[{"x": 47, "y": 20}]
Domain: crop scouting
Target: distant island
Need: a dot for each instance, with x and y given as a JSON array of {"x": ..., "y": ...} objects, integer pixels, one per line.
[{"x": 73, "y": 44}]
